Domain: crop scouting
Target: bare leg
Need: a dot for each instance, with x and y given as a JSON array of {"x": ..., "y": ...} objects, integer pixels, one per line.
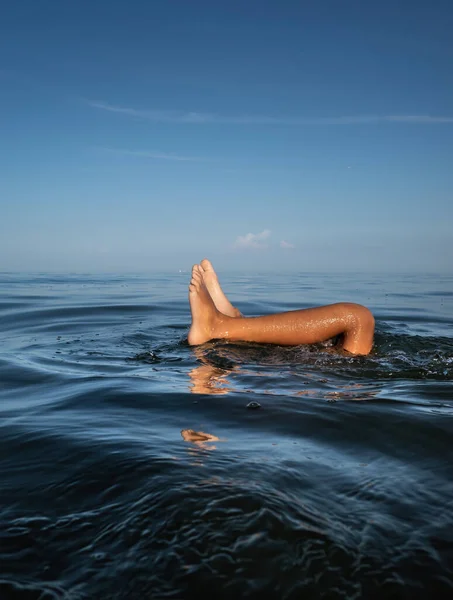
[
  {"x": 215, "y": 291},
  {"x": 307, "y": 326}
]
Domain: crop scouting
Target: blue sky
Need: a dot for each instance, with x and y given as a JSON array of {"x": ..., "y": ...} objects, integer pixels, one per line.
[{"x": 306, "y": 136}]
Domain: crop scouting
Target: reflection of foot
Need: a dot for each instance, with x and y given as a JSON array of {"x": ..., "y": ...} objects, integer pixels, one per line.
[
  {"x": 212, "y": 283},
  {"x": 208, "y": 380},
  {"x": 189, "y": 435},
  {"x": 204, "y": 313}
]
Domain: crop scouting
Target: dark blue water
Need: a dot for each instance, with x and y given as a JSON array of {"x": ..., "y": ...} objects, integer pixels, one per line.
[{"x": 131, "y": 467}]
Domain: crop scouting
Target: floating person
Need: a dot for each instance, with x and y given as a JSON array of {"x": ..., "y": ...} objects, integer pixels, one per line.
[{"x": 214, "y": 317}]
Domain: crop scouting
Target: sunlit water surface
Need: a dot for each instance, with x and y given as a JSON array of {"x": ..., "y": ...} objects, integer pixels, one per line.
[{"x": 131, "y": 466}]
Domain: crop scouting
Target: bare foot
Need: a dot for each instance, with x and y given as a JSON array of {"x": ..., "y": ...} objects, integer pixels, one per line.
[
  {"x": 204, "y": 313},
  {"x": 217, "y": 294}
]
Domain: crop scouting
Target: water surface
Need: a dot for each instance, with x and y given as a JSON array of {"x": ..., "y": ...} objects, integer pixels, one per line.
[{"x": 131, "y": 467}]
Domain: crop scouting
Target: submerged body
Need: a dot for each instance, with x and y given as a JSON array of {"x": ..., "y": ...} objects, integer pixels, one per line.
[{"x": 214, "y": 317}]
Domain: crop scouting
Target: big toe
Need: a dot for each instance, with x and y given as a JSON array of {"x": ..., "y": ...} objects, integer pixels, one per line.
[{"x": 206, "y": 265}]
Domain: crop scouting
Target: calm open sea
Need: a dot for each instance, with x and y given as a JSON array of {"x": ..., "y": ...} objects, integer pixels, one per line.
[{"x": 131, "y": 467}]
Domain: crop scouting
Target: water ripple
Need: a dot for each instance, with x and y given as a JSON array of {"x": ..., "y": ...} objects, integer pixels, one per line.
[{"x": 131, "y": 466}]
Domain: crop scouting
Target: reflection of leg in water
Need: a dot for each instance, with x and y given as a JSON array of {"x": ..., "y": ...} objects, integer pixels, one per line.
[
  {"x": 215, "y": 291},
  {"x": 199, "y": 438},
  {"x": 208, "y": 378},
  {"x": 307, "y": 326}
]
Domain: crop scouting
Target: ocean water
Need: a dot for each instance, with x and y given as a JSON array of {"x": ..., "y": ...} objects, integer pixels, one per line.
[{"x": 133, "y": 467}]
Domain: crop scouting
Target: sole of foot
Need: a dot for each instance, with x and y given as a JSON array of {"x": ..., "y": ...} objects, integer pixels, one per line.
[{"x": 202, "y": 307}]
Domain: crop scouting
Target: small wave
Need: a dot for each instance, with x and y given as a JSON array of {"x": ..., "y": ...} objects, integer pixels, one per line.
[{"x": 20, "y": 590}]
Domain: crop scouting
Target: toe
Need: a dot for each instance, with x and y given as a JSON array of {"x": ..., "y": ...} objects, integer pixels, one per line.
[{"x": 206, "y": 265}]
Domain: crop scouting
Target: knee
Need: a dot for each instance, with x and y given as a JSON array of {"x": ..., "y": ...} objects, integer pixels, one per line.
[
  {"x": 364, "y": 317},
  {"x": 359, "y": 331},
  {"x": 360, "y": 315}
]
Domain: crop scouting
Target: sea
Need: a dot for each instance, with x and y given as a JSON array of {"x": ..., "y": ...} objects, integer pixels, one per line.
[{"x": 133, "y": 466}]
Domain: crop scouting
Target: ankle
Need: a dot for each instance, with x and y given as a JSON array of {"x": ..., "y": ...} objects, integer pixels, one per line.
[{"x": 219, "y": 325}]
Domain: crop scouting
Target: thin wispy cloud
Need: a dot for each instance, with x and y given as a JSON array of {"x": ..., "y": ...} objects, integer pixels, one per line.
[
  {"x": 252, "y": 241},
  {"x": 167, "y": 116},
  {"x": 287, "y": 245},
  {"x": 162, "y": 116},
  {"x": 151, "y": 155}
]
